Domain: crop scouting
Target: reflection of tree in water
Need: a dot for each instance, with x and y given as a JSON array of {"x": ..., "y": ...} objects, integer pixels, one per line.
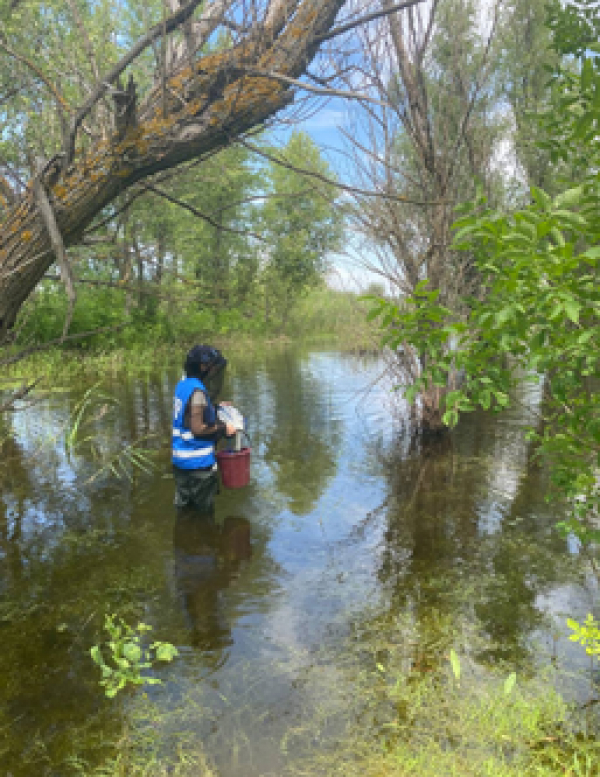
[
  {"x": 298, "y": 433},
  {"x": 427, "y": 539},
  {"x": 208, "y": 555},
  {"x": 519, "y": 562},
  {"x": 68, "y": 554},
  {"x": 14, "y": 485},
  {"x": 442, "y": 568}
]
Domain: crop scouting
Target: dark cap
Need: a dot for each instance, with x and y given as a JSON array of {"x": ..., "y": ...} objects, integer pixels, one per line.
[{"x": 201, "y": 357}]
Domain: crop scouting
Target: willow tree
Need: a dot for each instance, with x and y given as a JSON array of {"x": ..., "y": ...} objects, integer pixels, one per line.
[
  {"x": 220, "y": 71},
  {"x": 433, "y": 134}
]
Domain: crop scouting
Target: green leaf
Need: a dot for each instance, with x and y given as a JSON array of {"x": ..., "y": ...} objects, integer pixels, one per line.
[
  {"x": 501, "y": 398},
  {"x": 455, "y": 662},
  {"x": 572, "y": 220},
  {"x": 166, "y": 652},
  {"x": 464, "y": 231},
  {"x": 450, "y": 418},
  {"x": 485, "y": 399},
  {"x": 509, "y": 683},
  {"x": 569, "y": 198},
  {"x": 587, "y": 74},
  {"x": 541, "y": 197},
  {"x": 132, "y": 652},
  {"x": 592, "y": 253},
  {"x": 504, "y": 315},
  {"x": 374, "y": 313},
  {"x": 572, "y": 308},
  {"x": 96, "y": 655}
]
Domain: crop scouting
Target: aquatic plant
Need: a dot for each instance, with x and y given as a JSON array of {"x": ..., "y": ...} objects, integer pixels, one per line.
[
  {"x": 451, "y": 721},
  {"x": 123, "y": 658},
  {"x": 82, "y": 435}
]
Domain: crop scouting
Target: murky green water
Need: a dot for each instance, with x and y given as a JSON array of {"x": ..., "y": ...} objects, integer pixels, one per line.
[{"x": 350, "y": 540}]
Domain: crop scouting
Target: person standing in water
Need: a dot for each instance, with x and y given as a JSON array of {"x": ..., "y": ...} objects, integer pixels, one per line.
[{"x": 196, "y": 428}]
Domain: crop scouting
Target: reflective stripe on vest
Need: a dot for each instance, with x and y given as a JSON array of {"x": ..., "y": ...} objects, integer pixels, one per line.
[{"x": 187, "y": 451}]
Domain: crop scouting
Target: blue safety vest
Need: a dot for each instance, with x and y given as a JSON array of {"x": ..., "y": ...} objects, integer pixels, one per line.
[{"x": 187, "y": 451}]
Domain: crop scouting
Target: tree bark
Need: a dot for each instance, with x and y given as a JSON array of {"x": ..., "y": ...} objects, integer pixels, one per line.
[{"x": 209, "y": 103}]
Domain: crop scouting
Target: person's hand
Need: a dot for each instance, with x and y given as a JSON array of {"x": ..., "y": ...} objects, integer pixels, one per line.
[
  {"x": 230, "y": 430},
  {"x": 225, "y": 404}
]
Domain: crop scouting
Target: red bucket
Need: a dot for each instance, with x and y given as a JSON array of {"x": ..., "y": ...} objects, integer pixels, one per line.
[{"x": 234, "y": 467}]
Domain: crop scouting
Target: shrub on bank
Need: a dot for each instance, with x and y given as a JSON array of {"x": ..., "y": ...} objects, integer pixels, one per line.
[{"x": 103, "y": 337}]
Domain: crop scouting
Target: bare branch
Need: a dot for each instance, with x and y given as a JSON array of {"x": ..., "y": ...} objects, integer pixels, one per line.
[
  {"x": 169, "y": 24},
  {"x": 331, "y": 181},
  {"x": 170, "y": 198},
  {"x": 61, "y": 103},
  {"x": 25, "y": 389},
  {"x": 366, "y": 19},
  {"x": 324, "y": 91},
  {"x": 85, "y": 39},
  {"x": 58, "y": 246},
  {"x": 483, "y": 74},
  {"x": 17, "y": 357}
]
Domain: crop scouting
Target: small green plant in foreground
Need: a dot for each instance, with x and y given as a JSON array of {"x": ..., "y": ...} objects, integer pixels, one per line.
[
  {"x": 127, "y": 657},
  {"x": 509, "y": 683}
]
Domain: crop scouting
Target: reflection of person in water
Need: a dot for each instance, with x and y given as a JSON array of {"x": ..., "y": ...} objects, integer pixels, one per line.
[{"x": 208, "y": 555}]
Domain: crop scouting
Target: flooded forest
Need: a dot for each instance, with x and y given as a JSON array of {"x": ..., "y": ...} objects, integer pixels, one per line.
[{"x": 380, "y": 222}]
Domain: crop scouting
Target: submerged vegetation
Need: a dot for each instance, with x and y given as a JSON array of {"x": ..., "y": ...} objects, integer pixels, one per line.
[{"x": 393, "y": 720}]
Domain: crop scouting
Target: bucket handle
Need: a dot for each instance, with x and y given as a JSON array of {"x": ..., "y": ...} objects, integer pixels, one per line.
[{"x": 246, "y": 435}]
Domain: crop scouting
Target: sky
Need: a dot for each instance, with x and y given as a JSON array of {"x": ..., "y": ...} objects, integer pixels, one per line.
[
  {"x": 325, "y": 124},
  {"x": 325, "y": 129}
]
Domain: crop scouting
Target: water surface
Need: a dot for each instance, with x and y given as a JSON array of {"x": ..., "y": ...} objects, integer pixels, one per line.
[{"x": 352, "y": 540}]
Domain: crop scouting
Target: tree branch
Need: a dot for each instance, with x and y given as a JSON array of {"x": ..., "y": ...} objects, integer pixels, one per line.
[
  {"x": 221, "y": 104},
  {"x": 169, "y": 24},
  {"x": 370, "y": 17},
  {"x": 17, "y": 357},
  {"x": 331, "y": 181},
  {"x": 324, "y": 91},
  {"x": 58, "y": 246},
  {"x": 61, "y": 103},
  {"x": 186, "y": 206},
  {"x": 20, "y": 394}
]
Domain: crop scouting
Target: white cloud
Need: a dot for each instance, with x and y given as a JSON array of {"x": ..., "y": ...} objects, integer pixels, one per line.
[{"x": 328, "y": 118}]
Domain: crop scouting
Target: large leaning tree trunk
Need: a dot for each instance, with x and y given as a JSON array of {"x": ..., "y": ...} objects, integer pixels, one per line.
[{"x": 197, "y": 105}]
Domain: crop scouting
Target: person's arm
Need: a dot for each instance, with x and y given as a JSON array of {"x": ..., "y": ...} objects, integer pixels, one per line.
[{"x": 201, "y": 430}]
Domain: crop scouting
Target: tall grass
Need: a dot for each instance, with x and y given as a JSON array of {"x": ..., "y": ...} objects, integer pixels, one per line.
[
  {"x": 337, "y": 316},
  {"x": 323, "y": 315}
]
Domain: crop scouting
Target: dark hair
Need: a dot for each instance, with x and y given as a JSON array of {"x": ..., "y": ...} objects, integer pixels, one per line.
[{"x": 200, "y": 358}]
